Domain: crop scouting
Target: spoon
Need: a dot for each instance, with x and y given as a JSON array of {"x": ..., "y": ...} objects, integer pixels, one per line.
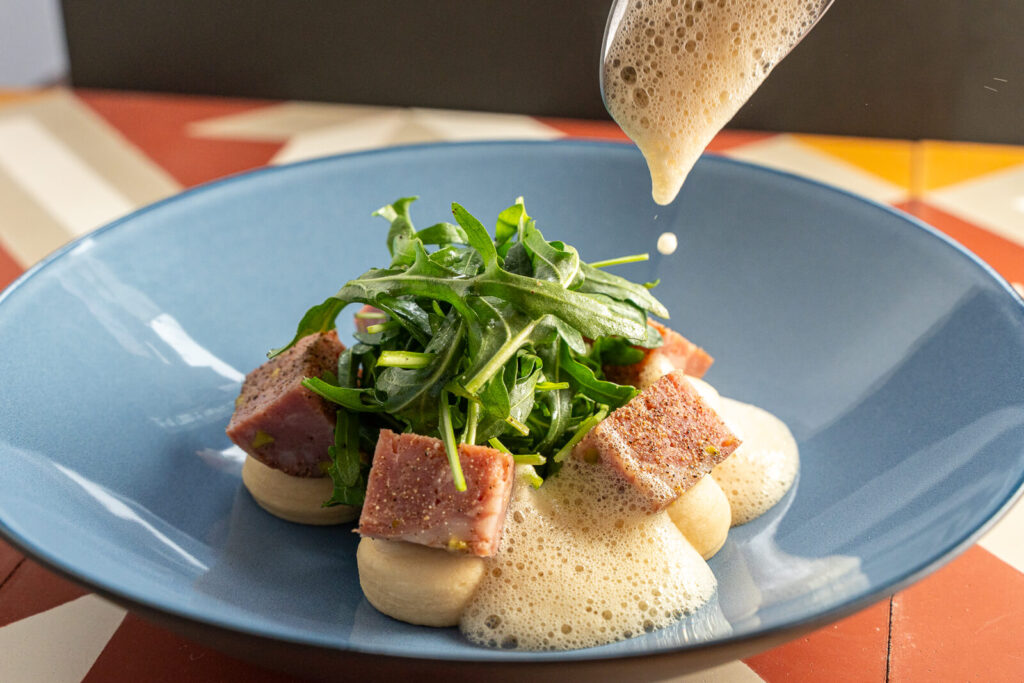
[{"x": 673, "y": 72}]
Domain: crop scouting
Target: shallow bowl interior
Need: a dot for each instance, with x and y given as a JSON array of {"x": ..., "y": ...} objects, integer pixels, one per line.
[{"x": 894, "y": 356}]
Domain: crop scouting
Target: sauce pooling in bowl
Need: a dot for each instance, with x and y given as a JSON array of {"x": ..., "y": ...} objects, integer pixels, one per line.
[
  {"x": 578, "y": 567},
  {"x": 676, "y": 71}
]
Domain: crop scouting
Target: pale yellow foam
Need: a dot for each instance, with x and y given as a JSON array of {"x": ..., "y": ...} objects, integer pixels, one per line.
[
  {"x": 758, "y": 474},
  {"x": 677, "y": 70},
  {"x": 576, "y": 569},
  {"x": 578, "y": 566}
]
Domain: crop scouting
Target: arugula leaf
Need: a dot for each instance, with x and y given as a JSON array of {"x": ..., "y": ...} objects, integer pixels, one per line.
[
  {"x": 317, "y": 320},
  {"x": 358, "y": 400},
  {"x": 443, "y": 234},
  {"x": 597, "y": 281},
  {"x": 407, "y": 314},
  {"x": 346, "y": 469},
  {"x": 521, "y": 395},
  {"x": 502, "y": 338},
  {"x": 551, "y": 261},
  {"x": 587, "y": 383},
  {"x": 401, "y": 230},
  {"x": 615, "y": 351},
  {"x": 412, "y": 395},
  {"x": 593, "y": 316},
  {"x": 477, "y": 235},
  {"x": 508, "y": 224}
]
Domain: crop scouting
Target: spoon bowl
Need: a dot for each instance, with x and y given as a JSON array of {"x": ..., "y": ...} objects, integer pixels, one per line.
[{"x": 674, "y": 73}]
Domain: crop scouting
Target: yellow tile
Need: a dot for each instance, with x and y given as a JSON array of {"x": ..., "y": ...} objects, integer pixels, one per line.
[
  {"x": 889, "y": 159},
  {"x": 948, "y": 163}
]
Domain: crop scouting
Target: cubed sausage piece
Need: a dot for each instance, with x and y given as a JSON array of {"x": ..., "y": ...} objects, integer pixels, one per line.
[
  {"x": 410, "y": 495},
  {"x": 661, "y": 443},
  {"x": 280, "y": 422},
  {"x": 676, "y": 353}
]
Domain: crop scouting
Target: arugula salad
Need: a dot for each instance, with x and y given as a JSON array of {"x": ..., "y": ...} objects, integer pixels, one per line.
[{"x": 478, "y": 339}]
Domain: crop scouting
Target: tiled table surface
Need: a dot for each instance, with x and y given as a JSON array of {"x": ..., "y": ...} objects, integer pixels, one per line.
[{"x": 71, "y": 161}]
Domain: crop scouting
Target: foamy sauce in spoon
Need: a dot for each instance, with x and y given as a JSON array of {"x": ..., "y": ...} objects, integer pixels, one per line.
[{"x": 676, "y": 71}]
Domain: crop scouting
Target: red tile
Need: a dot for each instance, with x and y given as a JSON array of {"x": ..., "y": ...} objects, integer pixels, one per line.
[
  {"x": 963, "y": 623},
  {"x": 140, "y": 651},
  {"x": 586, "y": 128},
  {"x": 1005, "y": 256},
  {"x": 31, "y": 590},
  {"x": 853, "y": 649},
  {"x": 9, "y": 559},
  {"x": 158, "y": 125},
  {"x": 9, "y": 268},
  {"x": 728, "y": 139}
]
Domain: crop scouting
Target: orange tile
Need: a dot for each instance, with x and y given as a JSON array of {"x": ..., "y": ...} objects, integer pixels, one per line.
[
  {"x": 963, "y": 623},
  {"x": 1005, "y": 256},
  {"x": 948, "y": 163},
  {"x": 31, "y": 590},
  {"x": 853, "y": 649},
  {"x": 888, "y": 159},
  {"x": 158, "y": 125},
  {"x": 140, "y": 651}
]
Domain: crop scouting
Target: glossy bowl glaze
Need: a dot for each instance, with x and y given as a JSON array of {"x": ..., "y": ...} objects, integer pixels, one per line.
[{"x": 896, "y": 358}]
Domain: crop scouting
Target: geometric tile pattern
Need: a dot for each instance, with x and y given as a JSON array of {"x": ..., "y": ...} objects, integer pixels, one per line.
[
  {"x": 891, "y": 160},
  {"x": 63, "y": 172},
  {"x": 944, "y": 164},
  {"x": 61, "y": 644},
  {"x": 964, "y": 623},
  {"x": 1006, "y": 256},
  {"x": 408, "y": 126},
  {"x": 71, "y": 161},
  {"x": 856, "y": 647},
  {"x": 793, "y": 154},
  {"x": 159, "y": 126},
  {"x": 994, "y": 201}
]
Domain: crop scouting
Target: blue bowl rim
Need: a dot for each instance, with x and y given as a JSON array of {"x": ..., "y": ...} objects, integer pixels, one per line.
[{"x": 778, "y": 633}]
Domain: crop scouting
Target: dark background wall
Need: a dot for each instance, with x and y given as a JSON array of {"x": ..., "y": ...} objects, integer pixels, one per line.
[{"x": 951, "y": 69}]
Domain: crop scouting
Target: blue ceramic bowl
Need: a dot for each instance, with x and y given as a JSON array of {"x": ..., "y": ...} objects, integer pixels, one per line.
[{"x": 894, "y": 355}]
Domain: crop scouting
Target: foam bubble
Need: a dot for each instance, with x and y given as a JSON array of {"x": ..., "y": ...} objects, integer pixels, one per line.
[
  {"x": 677, "y": 70},
  {"x": 578, "y": 568}
]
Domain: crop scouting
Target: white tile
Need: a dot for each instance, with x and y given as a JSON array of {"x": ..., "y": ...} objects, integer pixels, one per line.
[
  {"x": 785, "y": 153},
  {"x": 411, "y": 126},
  {"x": 362, "y": 134},
  {"x": 56, "y": 178},
  {"x": 733, "y": 672},
  {"x": 457, "y": 126},
  {"x": 59, "y": 645},
  {"x": 994, "y": 201},
  {"x": 279, "y": 122},
  {"x": 1006, "y": 539}
]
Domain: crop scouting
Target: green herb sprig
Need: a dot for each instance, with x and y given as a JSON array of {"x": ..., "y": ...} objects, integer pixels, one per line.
[{"x": 485, "y": 340}]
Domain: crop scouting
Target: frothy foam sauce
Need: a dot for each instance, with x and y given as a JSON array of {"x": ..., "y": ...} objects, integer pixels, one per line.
[
  {"x": 676, "y": 71},
  {"x": 578, "y": 568},
  {"x": 758, "y": 474}
]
